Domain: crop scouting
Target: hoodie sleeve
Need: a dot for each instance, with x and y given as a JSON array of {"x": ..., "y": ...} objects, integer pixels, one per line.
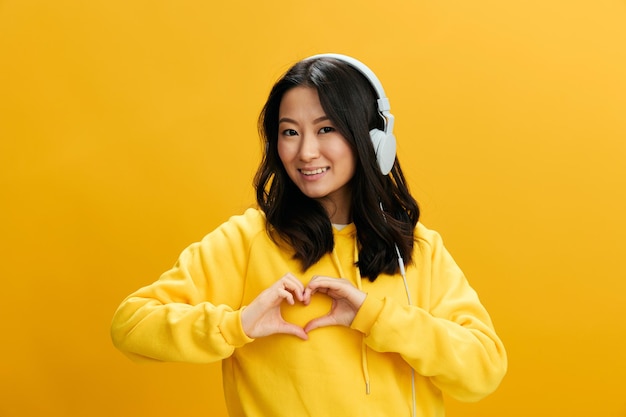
[
  {"x": 192, "y": 312},
  {"x": 450, "y": 338}
]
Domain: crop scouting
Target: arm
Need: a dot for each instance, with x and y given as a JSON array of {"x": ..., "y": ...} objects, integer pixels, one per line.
[
  {"x": 453, "y": 342},
  {"x": 170, "y": 320},
  {"x": 192, "y": 313}
]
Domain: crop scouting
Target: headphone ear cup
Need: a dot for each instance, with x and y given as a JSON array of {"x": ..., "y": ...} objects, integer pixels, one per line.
[{"x": 385, "y": 148}]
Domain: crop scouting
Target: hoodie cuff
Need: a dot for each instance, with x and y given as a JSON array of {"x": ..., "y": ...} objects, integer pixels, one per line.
[
  {"x": 232, "y": 330},
  {"x": 367, "y": 315}
]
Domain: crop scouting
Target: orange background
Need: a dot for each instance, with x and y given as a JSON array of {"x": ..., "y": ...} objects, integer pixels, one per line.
[{"x": 128, "y": 130}]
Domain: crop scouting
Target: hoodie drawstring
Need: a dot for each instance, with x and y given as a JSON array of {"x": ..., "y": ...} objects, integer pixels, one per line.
[{"x": 364, "y": 364}]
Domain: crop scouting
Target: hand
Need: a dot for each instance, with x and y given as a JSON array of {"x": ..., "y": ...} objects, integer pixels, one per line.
[
  {"x": 347, "y": 300},
  {"x": 262, "y": 317}
]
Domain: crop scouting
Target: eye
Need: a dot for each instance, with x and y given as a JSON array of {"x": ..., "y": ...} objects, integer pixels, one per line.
[
  {"x": 327, "y": 129},
  {"x": 289, "y": 132}
]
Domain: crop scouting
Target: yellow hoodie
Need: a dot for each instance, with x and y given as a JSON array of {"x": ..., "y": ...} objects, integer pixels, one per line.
[{"x": 192, "y": 314}]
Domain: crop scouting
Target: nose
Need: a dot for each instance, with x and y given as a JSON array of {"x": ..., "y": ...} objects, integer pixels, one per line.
[{"x": 309, "y": 147}]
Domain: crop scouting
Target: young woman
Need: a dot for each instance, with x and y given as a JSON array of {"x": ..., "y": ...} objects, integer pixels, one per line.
[{"x": 306, "y": 300}]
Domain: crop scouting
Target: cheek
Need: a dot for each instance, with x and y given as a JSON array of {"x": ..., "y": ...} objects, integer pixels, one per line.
[
  {"x": 345, "y": 156},
  {"x": 285, "y": 153}
]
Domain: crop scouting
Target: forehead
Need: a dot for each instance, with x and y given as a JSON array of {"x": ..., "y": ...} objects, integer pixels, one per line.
[{"x": 300, "y": 100}]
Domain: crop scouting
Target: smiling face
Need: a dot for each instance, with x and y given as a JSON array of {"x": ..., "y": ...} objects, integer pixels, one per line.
[{"x": 317, "y": 158}]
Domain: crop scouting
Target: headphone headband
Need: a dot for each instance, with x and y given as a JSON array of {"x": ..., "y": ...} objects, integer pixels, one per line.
[{"x": 382, "y": 100}]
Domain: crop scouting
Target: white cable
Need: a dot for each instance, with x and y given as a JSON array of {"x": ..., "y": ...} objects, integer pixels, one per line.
[{"x": 408, "y": 297}]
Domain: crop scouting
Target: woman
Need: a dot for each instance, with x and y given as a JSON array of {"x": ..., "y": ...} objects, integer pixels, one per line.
[{"x": 306, "y": 300}]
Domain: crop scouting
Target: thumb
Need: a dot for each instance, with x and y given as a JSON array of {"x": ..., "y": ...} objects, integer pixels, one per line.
[
  {"x": 323, "y": 321},
  {"x": 292, "y": 329}
]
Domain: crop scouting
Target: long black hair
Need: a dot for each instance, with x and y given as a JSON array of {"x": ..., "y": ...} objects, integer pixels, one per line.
[{"x": 349, "y": 101}]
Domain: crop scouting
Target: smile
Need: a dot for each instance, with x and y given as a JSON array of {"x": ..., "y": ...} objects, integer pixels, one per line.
[{"x": 313, "y": 172}]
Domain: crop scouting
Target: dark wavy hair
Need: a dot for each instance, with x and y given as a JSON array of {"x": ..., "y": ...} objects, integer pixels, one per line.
[{"x": 349, "y": 101}]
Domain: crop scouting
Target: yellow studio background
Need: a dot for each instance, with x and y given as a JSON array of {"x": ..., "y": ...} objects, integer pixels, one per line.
[{"x": 128, "y": 131}]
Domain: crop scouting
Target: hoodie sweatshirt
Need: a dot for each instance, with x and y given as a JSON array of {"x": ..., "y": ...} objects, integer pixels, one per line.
[{"x": 395, "y": 359}]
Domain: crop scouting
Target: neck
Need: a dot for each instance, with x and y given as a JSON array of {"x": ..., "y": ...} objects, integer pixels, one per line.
[
  {"x": 338, "y": 207},
  {"x": 338, "y": 216}
]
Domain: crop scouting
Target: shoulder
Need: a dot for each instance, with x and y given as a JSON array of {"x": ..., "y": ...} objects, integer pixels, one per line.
[
  {"x": 249, "y": 224},
  {"x": 252, "y": 217},
  {"x": 237, "y": 230},
  {"x": 430, "y": 252},
  {"x": 426, "y": 235},
  {"x": 427, "y": 240}
]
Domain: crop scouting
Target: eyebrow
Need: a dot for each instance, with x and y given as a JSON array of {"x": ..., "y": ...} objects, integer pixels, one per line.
[{"x": 288, "y": 120}]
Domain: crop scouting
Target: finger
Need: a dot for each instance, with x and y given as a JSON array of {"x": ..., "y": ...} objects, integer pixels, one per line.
[
  {"x": 286, "y": 295},
  {"x": 293, "y": 284},
  {"x": 323, "y": 285},
  {"x": 308, "y": 293},
  {"x": 319, "y": 281},
  {"x": 318, "y": 322},
  {"x": 338, "y": 288},
  {"x": 329, "y": 286},
  {"x": 294, "y": 330}
]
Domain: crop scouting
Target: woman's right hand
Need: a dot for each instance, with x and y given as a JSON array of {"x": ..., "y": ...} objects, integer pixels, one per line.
[{"x": 262, "y": 316}]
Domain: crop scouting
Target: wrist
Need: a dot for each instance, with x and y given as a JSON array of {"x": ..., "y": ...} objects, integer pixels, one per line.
[{"x": 231, "y": 328}]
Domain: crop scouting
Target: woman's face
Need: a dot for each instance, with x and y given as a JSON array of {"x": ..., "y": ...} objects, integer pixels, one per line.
[{"x": 317, "y": 158}]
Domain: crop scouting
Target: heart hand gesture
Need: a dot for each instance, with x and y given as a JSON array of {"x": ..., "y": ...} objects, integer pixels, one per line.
[
  {"x": 347, "y": 299},
  {"x": 263, "y": 318}
]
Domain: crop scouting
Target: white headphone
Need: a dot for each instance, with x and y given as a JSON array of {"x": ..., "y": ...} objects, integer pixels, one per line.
[{"x": 384, "y": 141}]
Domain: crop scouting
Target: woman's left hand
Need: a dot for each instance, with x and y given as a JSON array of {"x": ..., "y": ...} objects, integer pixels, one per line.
[{"x": 347, "y": 299}]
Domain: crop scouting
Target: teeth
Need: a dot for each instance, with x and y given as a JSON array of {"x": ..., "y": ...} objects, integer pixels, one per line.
[{"x": 313, "y": 172}]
